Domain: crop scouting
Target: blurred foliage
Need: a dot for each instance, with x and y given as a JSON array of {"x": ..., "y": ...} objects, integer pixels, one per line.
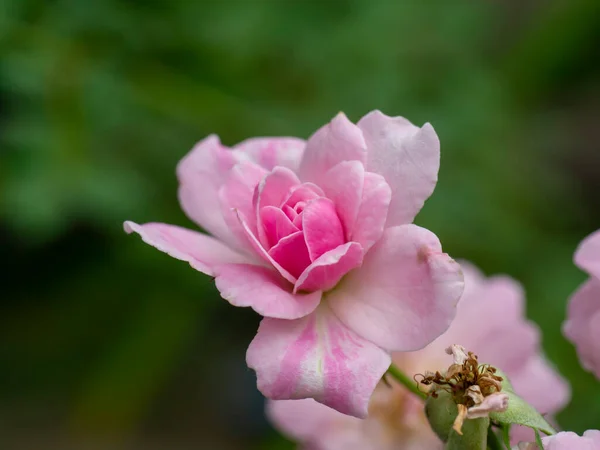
[{"x": 108, "y": 344}]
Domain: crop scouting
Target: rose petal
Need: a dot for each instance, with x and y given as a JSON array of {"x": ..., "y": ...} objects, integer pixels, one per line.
[
  {"x": 236, "y": 196},
  {"x": 276, "y": 187},
  {"x": 305, "y": 420},
  {"x": 260, "y": 250},
  {"x": 582, "y": 326},
  {"x": 344, "y": 186},
  {"x": 407, "y": 157},
  {"x": 201, "y": 173},
  {"x": 272, "y": 191},
  {"x": 567, "y": 440},
  {"x": 303, "y": 193},
  {"x": 405, "y": 294},
  {"x": 203, "y": 252},
  {"x": 276, "y": 224},
  {"x": 372, "y": 212},
  {"x": 587, "y": 256},
  {"x": 264, "y": 291},
  {"x": 322, "y": 228},
  {"x": 340, "y": 140},
  {"x": 316, "y": 357},
  {"x": 327, "y": 270},
  {"x": 270, "y": 152},
  {"x": 535, "y": 380},
  {"x": 291, "y": 253}
]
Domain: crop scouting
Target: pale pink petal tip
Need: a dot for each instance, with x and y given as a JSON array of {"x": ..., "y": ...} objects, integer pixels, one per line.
[
  {"x": 202, "y": 252},
  {"x": 587, "y": 256}
]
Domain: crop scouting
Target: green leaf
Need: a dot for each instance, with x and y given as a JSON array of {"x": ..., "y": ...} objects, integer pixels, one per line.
[{"x": 520, "y": 412}]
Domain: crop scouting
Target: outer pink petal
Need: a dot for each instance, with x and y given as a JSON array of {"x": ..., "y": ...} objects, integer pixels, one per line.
[
  {"x": 322, "y": 228},
  {"x": 316, "y": 357},
  {"x": 500, "y": 299},
  {"x": 339, "y": 140},
  {"x": 541, "y": 385},
  {"x": 587, "y": 256},
  {"x": 326, "y": 271},
  {"x": 594, "y": 435},
  {"x": 582, "y": 326},
  {"x": 203, "y": 252},
  {"x": 408, "y": 157},
  {"x": 273, "y": 151},
  {"x": 236, "y": 196},
  {"x": 264, "y": 291},
  {"x": 405, "y": 294},
  {"x": 201, "y": 173},
  {"x": 291, "y": 253},
  {"x": 373, "y": 211},
  {"x": 567, "y": 440},
  {"x": 307, "y": 420},
  {"x": 344, "y": 186}
]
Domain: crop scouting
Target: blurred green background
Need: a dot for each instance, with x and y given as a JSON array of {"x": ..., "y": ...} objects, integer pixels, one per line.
[{"x": 105, "y": 343}]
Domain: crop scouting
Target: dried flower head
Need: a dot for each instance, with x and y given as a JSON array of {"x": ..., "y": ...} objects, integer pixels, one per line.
[{"x": 475, "y": 388}]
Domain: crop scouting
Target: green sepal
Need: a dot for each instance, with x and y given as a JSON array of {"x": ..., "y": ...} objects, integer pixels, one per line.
[
  {"x": 441, "y": 412},
  {"x": 474, "y": 437},
  {"x": 520, "y": 412}
]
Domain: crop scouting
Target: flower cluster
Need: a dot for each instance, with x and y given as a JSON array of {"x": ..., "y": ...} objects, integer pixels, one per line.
[{"x": 317, "y": 237}]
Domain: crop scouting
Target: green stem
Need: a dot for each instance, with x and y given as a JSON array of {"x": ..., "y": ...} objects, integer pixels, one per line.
[
  {"x": 493, "y": 441},
  {"x": 403, "y": 379}
]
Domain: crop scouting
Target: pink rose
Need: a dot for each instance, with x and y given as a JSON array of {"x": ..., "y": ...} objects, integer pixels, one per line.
[
  {"x": 290, "y": 219},
  {"x": 568, "y": 440},
  {"x": 582, "y": 326},
  {"x": 491, "y": 322}
]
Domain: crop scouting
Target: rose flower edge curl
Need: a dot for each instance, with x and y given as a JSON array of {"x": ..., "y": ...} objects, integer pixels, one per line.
[
  {"x": 582, "y": 326},
  {"x": 290, "y": 219}
]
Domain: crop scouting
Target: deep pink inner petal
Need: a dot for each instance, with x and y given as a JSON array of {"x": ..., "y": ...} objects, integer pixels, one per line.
[
  {"x": 344, "y": 186},
  {"x": 329, "y": 268},
  {"x": 275, "y": 188},
  {"x": 276, "y": 224},
  {"x": 289, "y": 212},
  {"x": 303, "y": 193},
  {"x": 322, "y": 228},
  {"x": 260, "y": 250},
  {"x": 272, "y": 191},
  {"x": 291, "y": 253}
]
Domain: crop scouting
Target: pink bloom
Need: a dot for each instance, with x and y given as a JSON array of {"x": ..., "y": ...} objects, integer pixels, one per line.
[
  {"x": 568, "y": 440},
  {"x": 290, "y": 219},
  {"x": 490, "y": 321},
  {"x": 582, "y": 326}
]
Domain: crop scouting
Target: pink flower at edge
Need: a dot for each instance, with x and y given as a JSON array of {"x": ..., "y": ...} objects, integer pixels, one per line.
[
  {"x": 289, "y": 219},
  {"x": 582, "y": 326},
  {"x": 567, "y": 440},
  {"x": 490, "y": 321}
]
